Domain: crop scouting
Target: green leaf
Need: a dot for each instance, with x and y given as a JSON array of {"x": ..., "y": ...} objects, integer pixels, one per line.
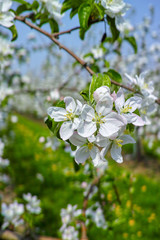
[
  {"x": 24, "y": 7},
  {"x": 35, "y": 5},
  {"x": 71, "y": 4},
  {"x": 133, "y": 42},
  {"x": 14, "y": 32},
  {"x": 114, "y": 75},
  {"x": 100, "y": 9},
  {"x": 85, "y": 95},
  {"x": 53, "y": 25},
  {"x": 20, "y": 1},
  {"x": 98, "y": 81},
  {"x": 114, "y": 30},
  {"x": 82, "y": 32},
  {"x": 84, "y": 12}
]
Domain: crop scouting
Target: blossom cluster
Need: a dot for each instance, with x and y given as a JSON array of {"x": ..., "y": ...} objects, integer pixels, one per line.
[
  {"x": 98, "y": 127},
  {"x": 13, "y": 213},
  {"x": 117, "y": 9},
  {"x": 68, "y": 216},
  {"x": 148, "y": 105}
]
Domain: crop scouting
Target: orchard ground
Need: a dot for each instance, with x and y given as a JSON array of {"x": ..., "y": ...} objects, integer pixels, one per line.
[{"x": 134, "y": 213}]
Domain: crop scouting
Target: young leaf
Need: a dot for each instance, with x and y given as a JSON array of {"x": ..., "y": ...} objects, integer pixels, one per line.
[
  {"x": 84, "y": 12},
  {"x": 14, "y": 32},
  {"x": 114, "y": 31},
  {"x": 114, "y": 75},
  {"x": 132, "y": 41}
]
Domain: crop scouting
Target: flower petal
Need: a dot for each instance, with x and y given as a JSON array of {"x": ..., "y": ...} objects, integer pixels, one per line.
[
  {"x": 70, "y": 104},
  {"x": 58, "y": 113},
  {"x": 95, "y": 155},
  {"x": 100, "y": 92},
  {"x": 127, "y": 139},
  {"x": 66, "y": 130},
  {"x": 116, "y": 153},
  {"x": 77, "y": 140},
  {"x": 119, "y": 102},
  {"x": 102, "y": 141},
  {"x": 134, "y": 103},
  {"x": 86, "y": 129},
  {"x": 104, "y": 105},
  {"x": 82, "y": 154},
  {"x": 88, "y": 113},
  {"x": 113, "y": 123}
]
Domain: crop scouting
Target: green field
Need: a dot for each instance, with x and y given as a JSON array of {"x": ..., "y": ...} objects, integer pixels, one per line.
[{"x": 135, "y": 215}]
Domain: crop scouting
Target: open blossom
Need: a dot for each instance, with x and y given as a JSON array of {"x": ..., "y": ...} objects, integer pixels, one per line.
[
  {"x": 70, "y": 116},
  {"x": 96, "y": 214},
  {"x": 116, "y": 145},
  {"x": 127, "y": 108},
  {"x": 116, "y": 9},
  {"x": 86, "y": 148},
  {"x": 6, "y": 17},
  {"x": 103, "y": 119},
  {"x": 33, "y": 203},
  {"x": 12, "y": 214},
  {"x": 146, "y": 88},
  {"x": 97, "y": 52},
  {"x": 70, "y": 233},
  {"x": 54, "y": 8}
]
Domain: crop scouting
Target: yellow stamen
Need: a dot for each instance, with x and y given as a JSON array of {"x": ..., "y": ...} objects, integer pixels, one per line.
[
  {"x": 126, "y": 109},
  {"x": 90, "y": 146},
  {"x": 118, "y": 142}
]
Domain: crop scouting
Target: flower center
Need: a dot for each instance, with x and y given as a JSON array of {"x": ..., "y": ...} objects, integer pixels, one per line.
[
  {"x": 70, "y": 116},
  {"x": 145, "y": 86},
  {"x": 118, "y": 142},
  {"x": 98, "y": 119},
  {"x": 90, "y": 146},
  {"x": 126, "y": 109}
]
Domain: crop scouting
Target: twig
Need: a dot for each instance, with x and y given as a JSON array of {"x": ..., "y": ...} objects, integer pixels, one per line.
[
  {"x": 75, "y": 28},
  {"x": 117, "y": 193}
]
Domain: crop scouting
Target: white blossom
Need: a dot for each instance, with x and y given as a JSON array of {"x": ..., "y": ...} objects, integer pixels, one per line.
[
  {"x": 54, "y": 8},
  {"x": 70, "y": 116},
  {"x": 12, "y": 214},
  {"x": 116, "y": 9},
  {"x": 127, "y": 108},
  {"x": 6, "y": 17},
  {"x": 33, "y": 203},
  {"x": 103, "y": 119}
]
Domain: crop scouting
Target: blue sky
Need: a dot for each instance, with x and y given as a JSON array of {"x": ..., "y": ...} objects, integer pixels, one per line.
[{"x": 72, "y": 40}]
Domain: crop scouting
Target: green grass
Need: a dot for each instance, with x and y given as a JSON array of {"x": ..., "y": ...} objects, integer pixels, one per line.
[{"x": 138, "y": 215}]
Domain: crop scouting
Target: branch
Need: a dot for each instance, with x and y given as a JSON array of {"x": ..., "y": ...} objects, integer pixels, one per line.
[
  {"x": 78, "y": 59},
  {"x": 75, "y": 28}
]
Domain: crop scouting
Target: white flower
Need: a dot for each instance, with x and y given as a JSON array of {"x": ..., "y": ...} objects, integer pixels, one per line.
[
  {"x": 12, "y": 214},
  {"x": 68, "y": 215},
  {"x": 116, "y": 9},
  {"x": 4, "y": 162},
  {"x": 70, "y": 116},
  {"x": 54, "y": 8},
  {"x": 127, "y": 108},
  {"x": 6, "y": 17},
  {"x": 86, "y": 149},
  {"x": 70, "y": 233},
  {"x": 96, "y": 215},
  {"x": 103, "y": 120},
  {"x": 97, "y": 52},
  {"x": 33, "y": 205},
  {"x": 100, "y": 92},
  {"x": 145, "y": 88},
  {"x": 116, "y": 146}
]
